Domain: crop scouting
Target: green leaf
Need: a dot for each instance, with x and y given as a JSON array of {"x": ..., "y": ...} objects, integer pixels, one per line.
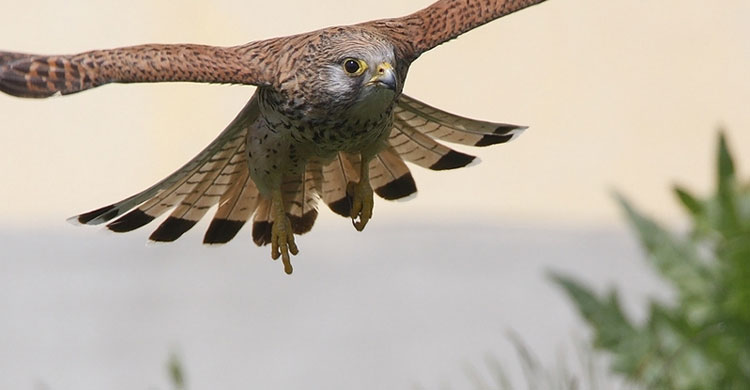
[
  {"x": 726, "y": 189},
  {"x": 677, "y": 260},
  {"x": 176, "y": 373},
  {"x": 725, "y": 164},
  {"x": 605, "y": 315},
  {"x": 691, "y": 204},
  {"x": 702, "y": 339}
]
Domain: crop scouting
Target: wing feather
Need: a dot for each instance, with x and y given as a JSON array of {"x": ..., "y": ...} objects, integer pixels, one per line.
[
  {"x": 39, "y": 76},
  {"x": 236, "y": 206},
  {"x": 420, "y": 149},
  {"x": 442, "y": 21},
  {"x": 439, "y": 124},
  {"x": 217, "y": 173},
  {"x": 216, "y": 177}
]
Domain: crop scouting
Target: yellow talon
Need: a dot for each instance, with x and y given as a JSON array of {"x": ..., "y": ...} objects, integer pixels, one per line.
[
  {"x": 282, "y": 236},
  {"x": 362, "y": 201}
]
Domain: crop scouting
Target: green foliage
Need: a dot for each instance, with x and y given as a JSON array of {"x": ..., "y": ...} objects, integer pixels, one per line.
[
  {"x": 702, "y": 340},
  {"x": 536, "y": 376},
  {"x": 176, "y": 372}
]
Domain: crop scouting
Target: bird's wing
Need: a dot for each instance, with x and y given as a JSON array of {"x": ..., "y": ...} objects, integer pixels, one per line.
[
  {"x": 38, "y": 76},
  {"x": 416, "y": 126},
  {"x": 416, "y": 129},
  {"x": 439, "y": 124},
  {"x": 217, "y": 175},
  {"x": 442, "y": 21}
]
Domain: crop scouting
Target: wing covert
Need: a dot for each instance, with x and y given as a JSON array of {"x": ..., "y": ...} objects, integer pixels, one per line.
[{"x": 39, "y": 76}]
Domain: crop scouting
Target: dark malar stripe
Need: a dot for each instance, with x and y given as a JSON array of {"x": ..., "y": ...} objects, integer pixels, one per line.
[
  {"x": 130, "y": 221},
  {"x": 171, "y": 229},
  {"x": 399, "y": 188},
  {"x": 221, "y": 231},
  {"x": 452, "y": 160}
]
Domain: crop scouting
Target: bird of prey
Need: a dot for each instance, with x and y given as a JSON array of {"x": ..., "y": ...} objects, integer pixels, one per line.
[{"x": 328, "y": 121}]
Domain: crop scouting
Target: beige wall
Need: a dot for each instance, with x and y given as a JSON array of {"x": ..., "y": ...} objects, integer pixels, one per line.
[{"x": 617, "y": 94}]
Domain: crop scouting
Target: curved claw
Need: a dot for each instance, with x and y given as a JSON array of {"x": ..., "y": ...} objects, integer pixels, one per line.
[
  {"x": 362, "y": 203},
  {"x": 282, "y": 235},
  {"x": 282, "y": 242}
]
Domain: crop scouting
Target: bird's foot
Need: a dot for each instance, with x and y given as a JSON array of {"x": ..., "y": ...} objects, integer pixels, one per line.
[
  {"x": 282, "y": 238},
  {"x": 362, "y": 203}
]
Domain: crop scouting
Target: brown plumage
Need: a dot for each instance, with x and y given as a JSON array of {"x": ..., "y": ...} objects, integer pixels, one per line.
[{"x": 327, "y": 122}]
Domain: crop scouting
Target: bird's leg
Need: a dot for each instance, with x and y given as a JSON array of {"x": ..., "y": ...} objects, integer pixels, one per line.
[
  {"x": 282, "y": 236},
  {"x": 361, "y": 193}
]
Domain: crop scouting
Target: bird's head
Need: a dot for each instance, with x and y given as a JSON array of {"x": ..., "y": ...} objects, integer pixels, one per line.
[
  {"x": 337, "y": 70},
  {"x": 360, "y": 70}
]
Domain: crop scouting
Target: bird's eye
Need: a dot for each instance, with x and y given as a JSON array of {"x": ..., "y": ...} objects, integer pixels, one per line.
[{"x": 354, "y": 67}]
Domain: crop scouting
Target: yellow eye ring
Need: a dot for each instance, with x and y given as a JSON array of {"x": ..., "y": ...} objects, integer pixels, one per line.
[{"x": 354, "y": 67}]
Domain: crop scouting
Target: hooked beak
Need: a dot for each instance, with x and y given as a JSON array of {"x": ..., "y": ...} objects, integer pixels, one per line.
[{"x": 384, "y": 76}]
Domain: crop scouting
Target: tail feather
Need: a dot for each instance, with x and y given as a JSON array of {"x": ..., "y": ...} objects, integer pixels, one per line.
[
  {"x": 235, "y": 208},
  {"x": 336, "y": 176},
  {"x": 390, "y": 177},
  {"x": 262, "y": 222},
  {"x": 301, "y": 196}
]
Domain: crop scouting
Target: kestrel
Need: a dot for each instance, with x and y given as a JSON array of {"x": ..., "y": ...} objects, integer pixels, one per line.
[{"x": 328, "y": 121}]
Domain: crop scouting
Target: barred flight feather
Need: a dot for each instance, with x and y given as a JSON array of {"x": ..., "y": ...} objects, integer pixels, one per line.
[
  {"x": 390, "y": 177},
  {"x": 262, "y": 222},
  {"x": 442, "y": 125},
  {"x": 420, "y": 149},
  {"x": 236, "y": 206},
  {"x": 336, "y": 175},
  {"x": 214, "y": 167},
  {"x": 214, "y": 179}
]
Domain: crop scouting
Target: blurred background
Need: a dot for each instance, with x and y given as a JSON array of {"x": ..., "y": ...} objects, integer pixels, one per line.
[{"x": 618, "y": 95}]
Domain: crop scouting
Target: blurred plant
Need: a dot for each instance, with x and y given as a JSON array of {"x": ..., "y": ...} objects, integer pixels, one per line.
[
  {"x": 702, "y": 340},
  {"x": 536, "y": 375},
  {"x": 584, "y": 373},
  {"x": 176, "y": 372}
]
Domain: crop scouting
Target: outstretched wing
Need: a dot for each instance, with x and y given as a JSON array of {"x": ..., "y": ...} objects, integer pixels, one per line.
[
  {"x": 217, "y": 175},
  {"x": 36, "y": 76},
  {"x": 442, "y": 21},
  {"x": 417, "y": 127}
]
